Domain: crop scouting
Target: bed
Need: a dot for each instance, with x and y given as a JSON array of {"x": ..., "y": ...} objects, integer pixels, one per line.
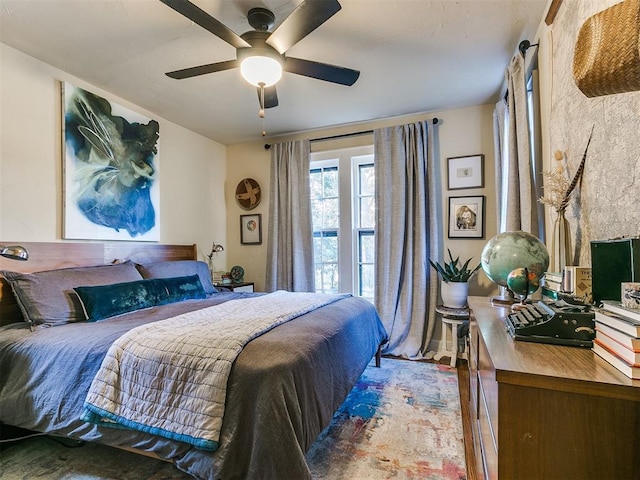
[{"x": 282, "y": 389}]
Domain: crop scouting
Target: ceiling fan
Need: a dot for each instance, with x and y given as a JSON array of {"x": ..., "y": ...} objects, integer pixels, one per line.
[{"x": 259, "y": 52}]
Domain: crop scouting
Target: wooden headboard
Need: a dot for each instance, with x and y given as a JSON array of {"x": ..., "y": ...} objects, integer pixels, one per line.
[{"x": 54, "y": 255}]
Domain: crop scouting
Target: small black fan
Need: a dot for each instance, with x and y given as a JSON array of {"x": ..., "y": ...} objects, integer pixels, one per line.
[{"x": 308, "y": 16}]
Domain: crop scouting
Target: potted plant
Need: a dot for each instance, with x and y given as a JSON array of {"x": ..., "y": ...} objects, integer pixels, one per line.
[{"x": 455, "y": 276}]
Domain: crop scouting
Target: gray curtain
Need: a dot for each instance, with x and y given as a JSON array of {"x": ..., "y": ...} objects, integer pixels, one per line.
[
  {"x": 407, "y": 232},
  {"x": 521, "y": 208},
  {"x": 290, "y": 243},
  {"x": 500, "y": 124}
]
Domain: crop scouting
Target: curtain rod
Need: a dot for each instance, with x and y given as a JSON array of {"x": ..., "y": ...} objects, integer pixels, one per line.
[{"x": 267, "y": 146}]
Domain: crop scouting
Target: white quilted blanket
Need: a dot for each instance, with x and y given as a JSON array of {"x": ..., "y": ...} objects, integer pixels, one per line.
[{"x": 169, "y": 378}]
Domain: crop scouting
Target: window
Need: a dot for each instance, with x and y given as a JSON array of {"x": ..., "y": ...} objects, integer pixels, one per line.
[
  {"x": 535, "y": 142},
  {"x": 535, "y": 148},
  {"x": 343, "y": 212}
]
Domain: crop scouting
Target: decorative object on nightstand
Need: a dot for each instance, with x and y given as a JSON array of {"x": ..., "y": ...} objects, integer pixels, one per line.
[
  {"x": 221, "y": 278},
  {"x": 237, "y": 274},
  {"x": 455, "y": 276}
]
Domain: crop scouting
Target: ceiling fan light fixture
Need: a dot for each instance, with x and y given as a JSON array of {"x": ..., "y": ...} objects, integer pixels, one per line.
[{"x": 261, "y": 70}]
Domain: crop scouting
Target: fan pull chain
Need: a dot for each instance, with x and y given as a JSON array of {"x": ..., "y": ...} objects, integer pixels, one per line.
[{"x": 261, "y": 112}]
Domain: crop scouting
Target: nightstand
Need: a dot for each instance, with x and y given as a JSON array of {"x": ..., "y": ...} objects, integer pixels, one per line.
[
  {"x": 237, "y": 287},
  {"x": 451, "y": 319}
]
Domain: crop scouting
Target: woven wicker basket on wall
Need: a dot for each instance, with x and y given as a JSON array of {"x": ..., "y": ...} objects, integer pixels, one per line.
[{"x": 607, "y": 52}]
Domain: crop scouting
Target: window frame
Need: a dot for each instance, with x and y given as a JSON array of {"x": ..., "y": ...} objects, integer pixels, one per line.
[{"x": 349, "y": 231}]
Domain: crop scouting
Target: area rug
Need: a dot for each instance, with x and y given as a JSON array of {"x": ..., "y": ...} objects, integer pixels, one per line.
[{"x": 401, "y": 421}]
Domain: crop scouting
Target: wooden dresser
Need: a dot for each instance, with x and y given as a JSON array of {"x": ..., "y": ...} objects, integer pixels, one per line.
[{"x": 546, "y": 411}]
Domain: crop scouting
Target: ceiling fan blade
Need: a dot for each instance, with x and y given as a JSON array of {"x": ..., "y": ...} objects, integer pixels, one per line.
[
  {"x": 308, "y": 16},
  {"x": 270, "y": 96},
  {"x": 202, "y": 69},
  {"x": 321, "y": 71},
  {"x": 206, "y": 21}
]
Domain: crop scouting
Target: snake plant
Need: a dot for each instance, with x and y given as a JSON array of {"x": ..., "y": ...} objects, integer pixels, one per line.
[{"x": 453, "y": 271}]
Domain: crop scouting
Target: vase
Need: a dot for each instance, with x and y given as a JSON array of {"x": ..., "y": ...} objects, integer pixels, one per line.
[
  {"x": 211, "y": 269},
  {"x": 454, "y": 294},
  {"x": 561, "y": 253}
]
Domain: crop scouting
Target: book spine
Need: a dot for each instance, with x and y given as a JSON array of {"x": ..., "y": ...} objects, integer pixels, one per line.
[
  {"x": 556, "y": 287},
  {"x": 631, "y": 315},
  {"x": 628, "y": 341},
  {"x": 617, "y": 349},
  {"x": 549, "y": 294},
  {"x": 613, "y": 360},
  {"x": 578, "y": 281},
  {"x": 619, "y": 323},
  {"x": 552, "y": 278}
]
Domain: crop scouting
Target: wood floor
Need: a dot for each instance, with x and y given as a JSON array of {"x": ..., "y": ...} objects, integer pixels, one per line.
[{"x": 463, "y": 385}]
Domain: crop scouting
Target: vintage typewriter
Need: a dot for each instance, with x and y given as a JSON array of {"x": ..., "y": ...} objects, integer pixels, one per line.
[{"x": 558, "y": 322}]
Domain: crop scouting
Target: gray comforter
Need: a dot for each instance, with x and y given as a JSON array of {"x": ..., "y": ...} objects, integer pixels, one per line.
[{"x": 282, "y": 390}]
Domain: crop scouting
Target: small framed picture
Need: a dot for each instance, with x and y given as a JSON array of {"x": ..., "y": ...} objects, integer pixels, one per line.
[
  {"x": 465, "y": 172},
  {"x": 251, "y": 229},
  {"x": 466, "y": 217}
]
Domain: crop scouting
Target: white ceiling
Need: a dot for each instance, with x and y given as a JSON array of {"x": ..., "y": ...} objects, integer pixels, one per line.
[{"x": 414, "y": 56}]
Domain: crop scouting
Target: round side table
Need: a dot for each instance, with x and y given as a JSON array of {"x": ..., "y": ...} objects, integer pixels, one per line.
[{"x": 451, "y": 318}]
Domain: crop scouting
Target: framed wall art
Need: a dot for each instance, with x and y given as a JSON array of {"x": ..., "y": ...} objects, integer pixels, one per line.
[
  {"x": 251, "y": 229},
  {"x": 466, "y": 217},
  {"x": 111, "y": 189},
  {"x": 248, "y": 194},
  {"x": 465, "y": 172}
]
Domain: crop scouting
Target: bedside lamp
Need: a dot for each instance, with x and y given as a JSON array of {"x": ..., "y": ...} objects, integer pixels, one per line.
[
  {"x": 215, "y": 249},
  {"x": 14, "y": 252}
]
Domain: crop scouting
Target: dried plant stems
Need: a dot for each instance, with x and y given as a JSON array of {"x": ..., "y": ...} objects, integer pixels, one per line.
[{"x": 559, "y": 187}]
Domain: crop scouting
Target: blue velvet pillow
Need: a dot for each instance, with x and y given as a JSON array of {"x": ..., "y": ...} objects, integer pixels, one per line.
[{"x": 106, "y": 301}]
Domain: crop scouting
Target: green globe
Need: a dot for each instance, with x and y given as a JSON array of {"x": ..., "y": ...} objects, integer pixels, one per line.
[
  {"x": 510, "y": 250},
  {"x": 522, "y": 281}
]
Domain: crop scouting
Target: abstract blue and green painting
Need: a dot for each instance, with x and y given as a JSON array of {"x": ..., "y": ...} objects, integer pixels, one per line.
[{"x": 110, "y": 169}]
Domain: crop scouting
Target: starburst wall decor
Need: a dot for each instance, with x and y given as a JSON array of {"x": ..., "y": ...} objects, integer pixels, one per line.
[{"x": 111, "y": 188}]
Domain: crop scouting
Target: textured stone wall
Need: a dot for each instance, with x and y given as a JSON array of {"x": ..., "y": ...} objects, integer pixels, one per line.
[{"x": 607, "y": 205}]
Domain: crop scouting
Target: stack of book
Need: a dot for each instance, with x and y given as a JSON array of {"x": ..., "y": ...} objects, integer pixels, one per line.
[
  {"x": 618, "y": 337},
  {"x": 577, "y": 281},
  {"x": 573, "y": 282},
  {"x": 221, "y": 278},
  {"x": 551, "y": 285}
]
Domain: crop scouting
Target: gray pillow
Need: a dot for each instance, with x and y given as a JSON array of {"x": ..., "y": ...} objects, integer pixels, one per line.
[
  {"x": 48, "y": 298},
  {"x": 179, "y": 268}
]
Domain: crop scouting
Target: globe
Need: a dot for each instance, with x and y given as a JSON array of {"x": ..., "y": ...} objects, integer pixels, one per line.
[
  {"x": 523, "y": 281},
  {"x": 510, "y": 250}
]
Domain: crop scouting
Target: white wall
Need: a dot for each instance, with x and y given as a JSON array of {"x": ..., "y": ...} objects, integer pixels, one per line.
[
  {"x": 192, "y": 168},
  {"x": 466, "y": 131}
]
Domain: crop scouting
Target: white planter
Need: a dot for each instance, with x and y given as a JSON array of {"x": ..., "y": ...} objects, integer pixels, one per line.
[{"x": 454, "y": 294}]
